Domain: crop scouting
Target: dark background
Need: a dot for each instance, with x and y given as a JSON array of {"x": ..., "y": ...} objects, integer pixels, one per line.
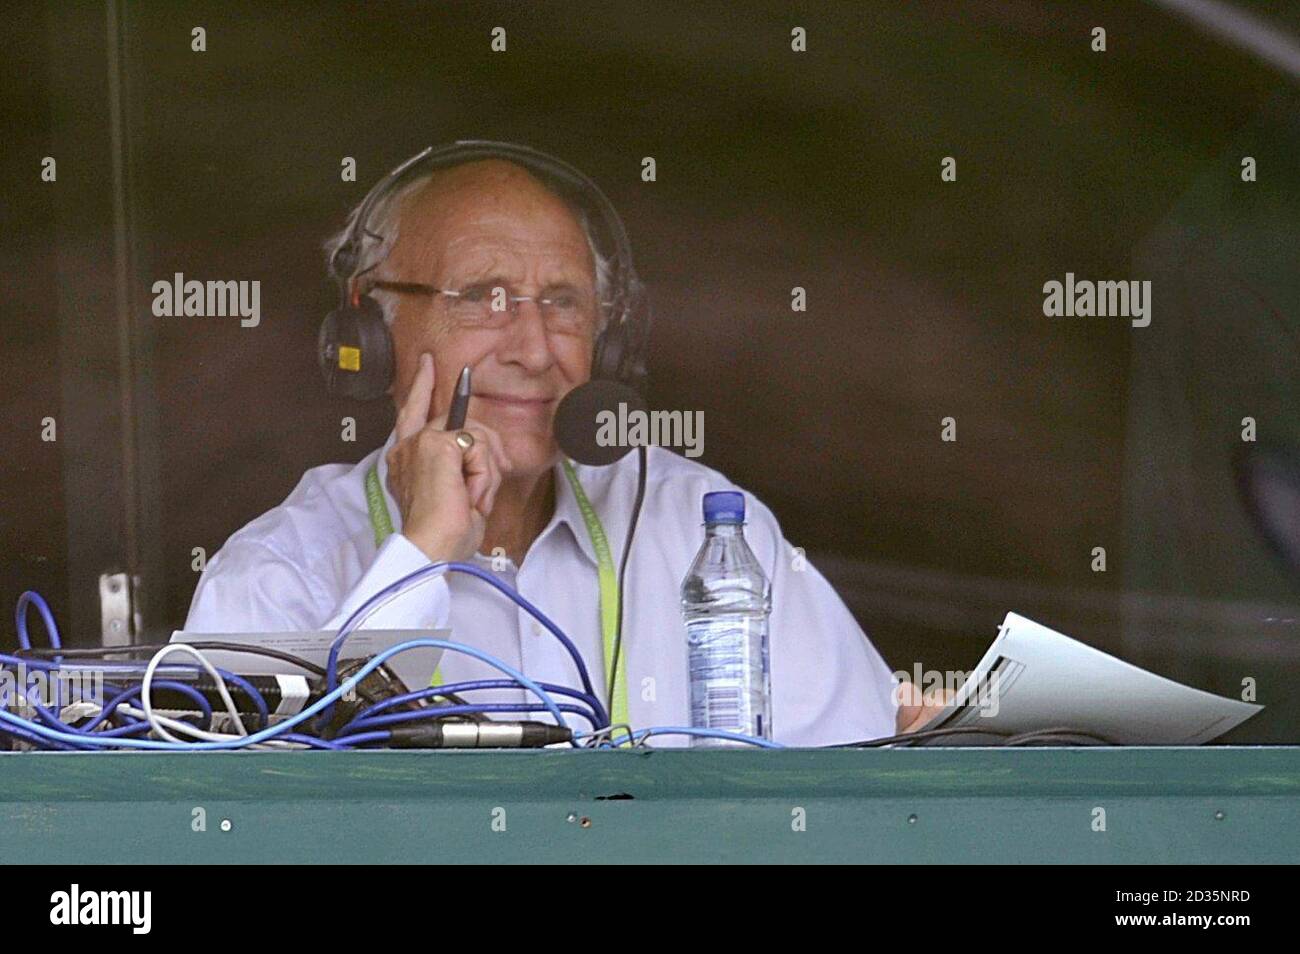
[{"x": 775, "y": 169}]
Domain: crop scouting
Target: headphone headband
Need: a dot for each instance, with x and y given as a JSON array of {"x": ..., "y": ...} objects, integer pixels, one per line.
[{"x": 346, "y": 260}]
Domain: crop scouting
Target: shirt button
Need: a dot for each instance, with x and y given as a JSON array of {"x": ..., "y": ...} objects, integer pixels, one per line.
[{"x": 538, "y": 630}]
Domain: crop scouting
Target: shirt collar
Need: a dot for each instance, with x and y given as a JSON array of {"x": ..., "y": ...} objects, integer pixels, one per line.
[{"x": 567, "y": 511}]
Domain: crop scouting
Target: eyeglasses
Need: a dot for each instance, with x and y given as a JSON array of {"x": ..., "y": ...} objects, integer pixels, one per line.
[{"x": 491, "y": 305}]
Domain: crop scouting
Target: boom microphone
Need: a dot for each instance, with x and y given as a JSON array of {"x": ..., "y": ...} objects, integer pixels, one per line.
[{"x": 577, "y": 423}]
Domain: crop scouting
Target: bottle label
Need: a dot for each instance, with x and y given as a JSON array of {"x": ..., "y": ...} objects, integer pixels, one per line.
[{"x": 730, "y": 679}]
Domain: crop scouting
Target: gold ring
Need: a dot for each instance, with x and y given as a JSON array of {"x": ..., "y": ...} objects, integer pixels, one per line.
[{"x": 465, "y": 439}]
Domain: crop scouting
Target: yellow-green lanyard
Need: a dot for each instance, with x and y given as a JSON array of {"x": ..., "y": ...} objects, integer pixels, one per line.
[{"x": 382, "y": 524}]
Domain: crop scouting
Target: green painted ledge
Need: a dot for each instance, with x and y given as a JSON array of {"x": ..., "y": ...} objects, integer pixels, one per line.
[{"x": 1208, "y": 804}]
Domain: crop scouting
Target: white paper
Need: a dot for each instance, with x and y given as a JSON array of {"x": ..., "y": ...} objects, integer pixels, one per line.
[
  {"x": 414, "y": 667},
  {"x": 1034, "y": 678}
]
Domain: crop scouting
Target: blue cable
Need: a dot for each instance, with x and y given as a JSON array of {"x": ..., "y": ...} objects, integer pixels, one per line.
[
  {"x": 51, "y": 736},
  {"x": 130, "y": 668},
  {"x": 362, "y": 739},
  {"x": 41, "y": 743},
  {"x": 133, "y": 692},
  {"x": 134, "y": 727},
  {"x": 310, "y": 712},
  {"x": 45, "y": 714},
  {"x": 394, "y": 589},
  {"x": 31, "y": 597},
  {"x": 244, "y": 684},
  {"x": 534, "y": 612},
  {"x": 312, "y": 741},
  {"x": 106, "y": 711},
  {"x": 238, "y": 681},
  {"x": 474, "y": 684},
  {"x": 42, "y": 607},
  {"x": 200, "y": 700},
  {"x": 47, "y": 616}
]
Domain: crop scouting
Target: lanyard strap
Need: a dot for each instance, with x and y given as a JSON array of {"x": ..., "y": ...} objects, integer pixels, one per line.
[
  {"x": 608, "y": 598},
  {"x": 380, "y": 521},
  {"x": 382, "y": 524}
]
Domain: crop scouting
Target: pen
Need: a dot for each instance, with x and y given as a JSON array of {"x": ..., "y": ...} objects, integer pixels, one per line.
[{"x": 459, "y": 402}]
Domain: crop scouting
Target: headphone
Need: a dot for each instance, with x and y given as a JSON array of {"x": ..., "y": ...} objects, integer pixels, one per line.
[{"x": 355, "y": 349}]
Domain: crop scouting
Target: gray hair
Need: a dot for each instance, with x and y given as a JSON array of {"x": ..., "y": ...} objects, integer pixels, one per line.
[{"x": 385, "y": 222}]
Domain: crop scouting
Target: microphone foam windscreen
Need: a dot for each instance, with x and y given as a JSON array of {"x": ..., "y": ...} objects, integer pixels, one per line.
[{"x": 578, "y": 421}]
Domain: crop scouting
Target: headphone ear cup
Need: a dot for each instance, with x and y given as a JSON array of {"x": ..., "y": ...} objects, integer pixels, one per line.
[
  {"x": 355, "y": 351},
  {"x": 620, "y": 351},
  {"x": 611, "y": 353}
]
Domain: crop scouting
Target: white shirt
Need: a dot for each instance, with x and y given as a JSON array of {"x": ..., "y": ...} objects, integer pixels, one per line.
[{"x": 310, "y": 562}]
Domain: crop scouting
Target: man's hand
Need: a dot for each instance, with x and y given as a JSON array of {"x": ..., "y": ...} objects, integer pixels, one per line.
[
  {"x": 444, "y": 493},
  {"x": 915, "y": 710}
]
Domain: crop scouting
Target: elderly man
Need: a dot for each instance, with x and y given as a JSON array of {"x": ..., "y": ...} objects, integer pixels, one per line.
[{"x": 506, "y": 502}]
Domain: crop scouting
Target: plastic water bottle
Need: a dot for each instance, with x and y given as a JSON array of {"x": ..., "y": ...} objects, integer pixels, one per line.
[{"x": 726, "y": 601}]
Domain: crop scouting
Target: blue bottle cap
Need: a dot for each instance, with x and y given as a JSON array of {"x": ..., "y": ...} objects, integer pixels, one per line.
[{"x": 724, "y": 506}]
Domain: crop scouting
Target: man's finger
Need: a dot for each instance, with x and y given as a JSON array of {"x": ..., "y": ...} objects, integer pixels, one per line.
[
  {"x": 415, "y": 409},
  {"x": 498, "y": 468},
  {"x": 482, "y": 472},
  {"x": 498, "y": 446},
  {"x": 915, "y": 712},
  {"x": 484, "y": 436},
  {"x": 908, "y": 695}
]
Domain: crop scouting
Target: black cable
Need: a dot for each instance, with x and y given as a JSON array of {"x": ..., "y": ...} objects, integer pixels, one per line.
[
  {"x": 1062, "y": 734},
  {"x": 622, "y": 574},
  {"x": 909, "y": 737},
  {"x": 1058, "y": 734}
]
